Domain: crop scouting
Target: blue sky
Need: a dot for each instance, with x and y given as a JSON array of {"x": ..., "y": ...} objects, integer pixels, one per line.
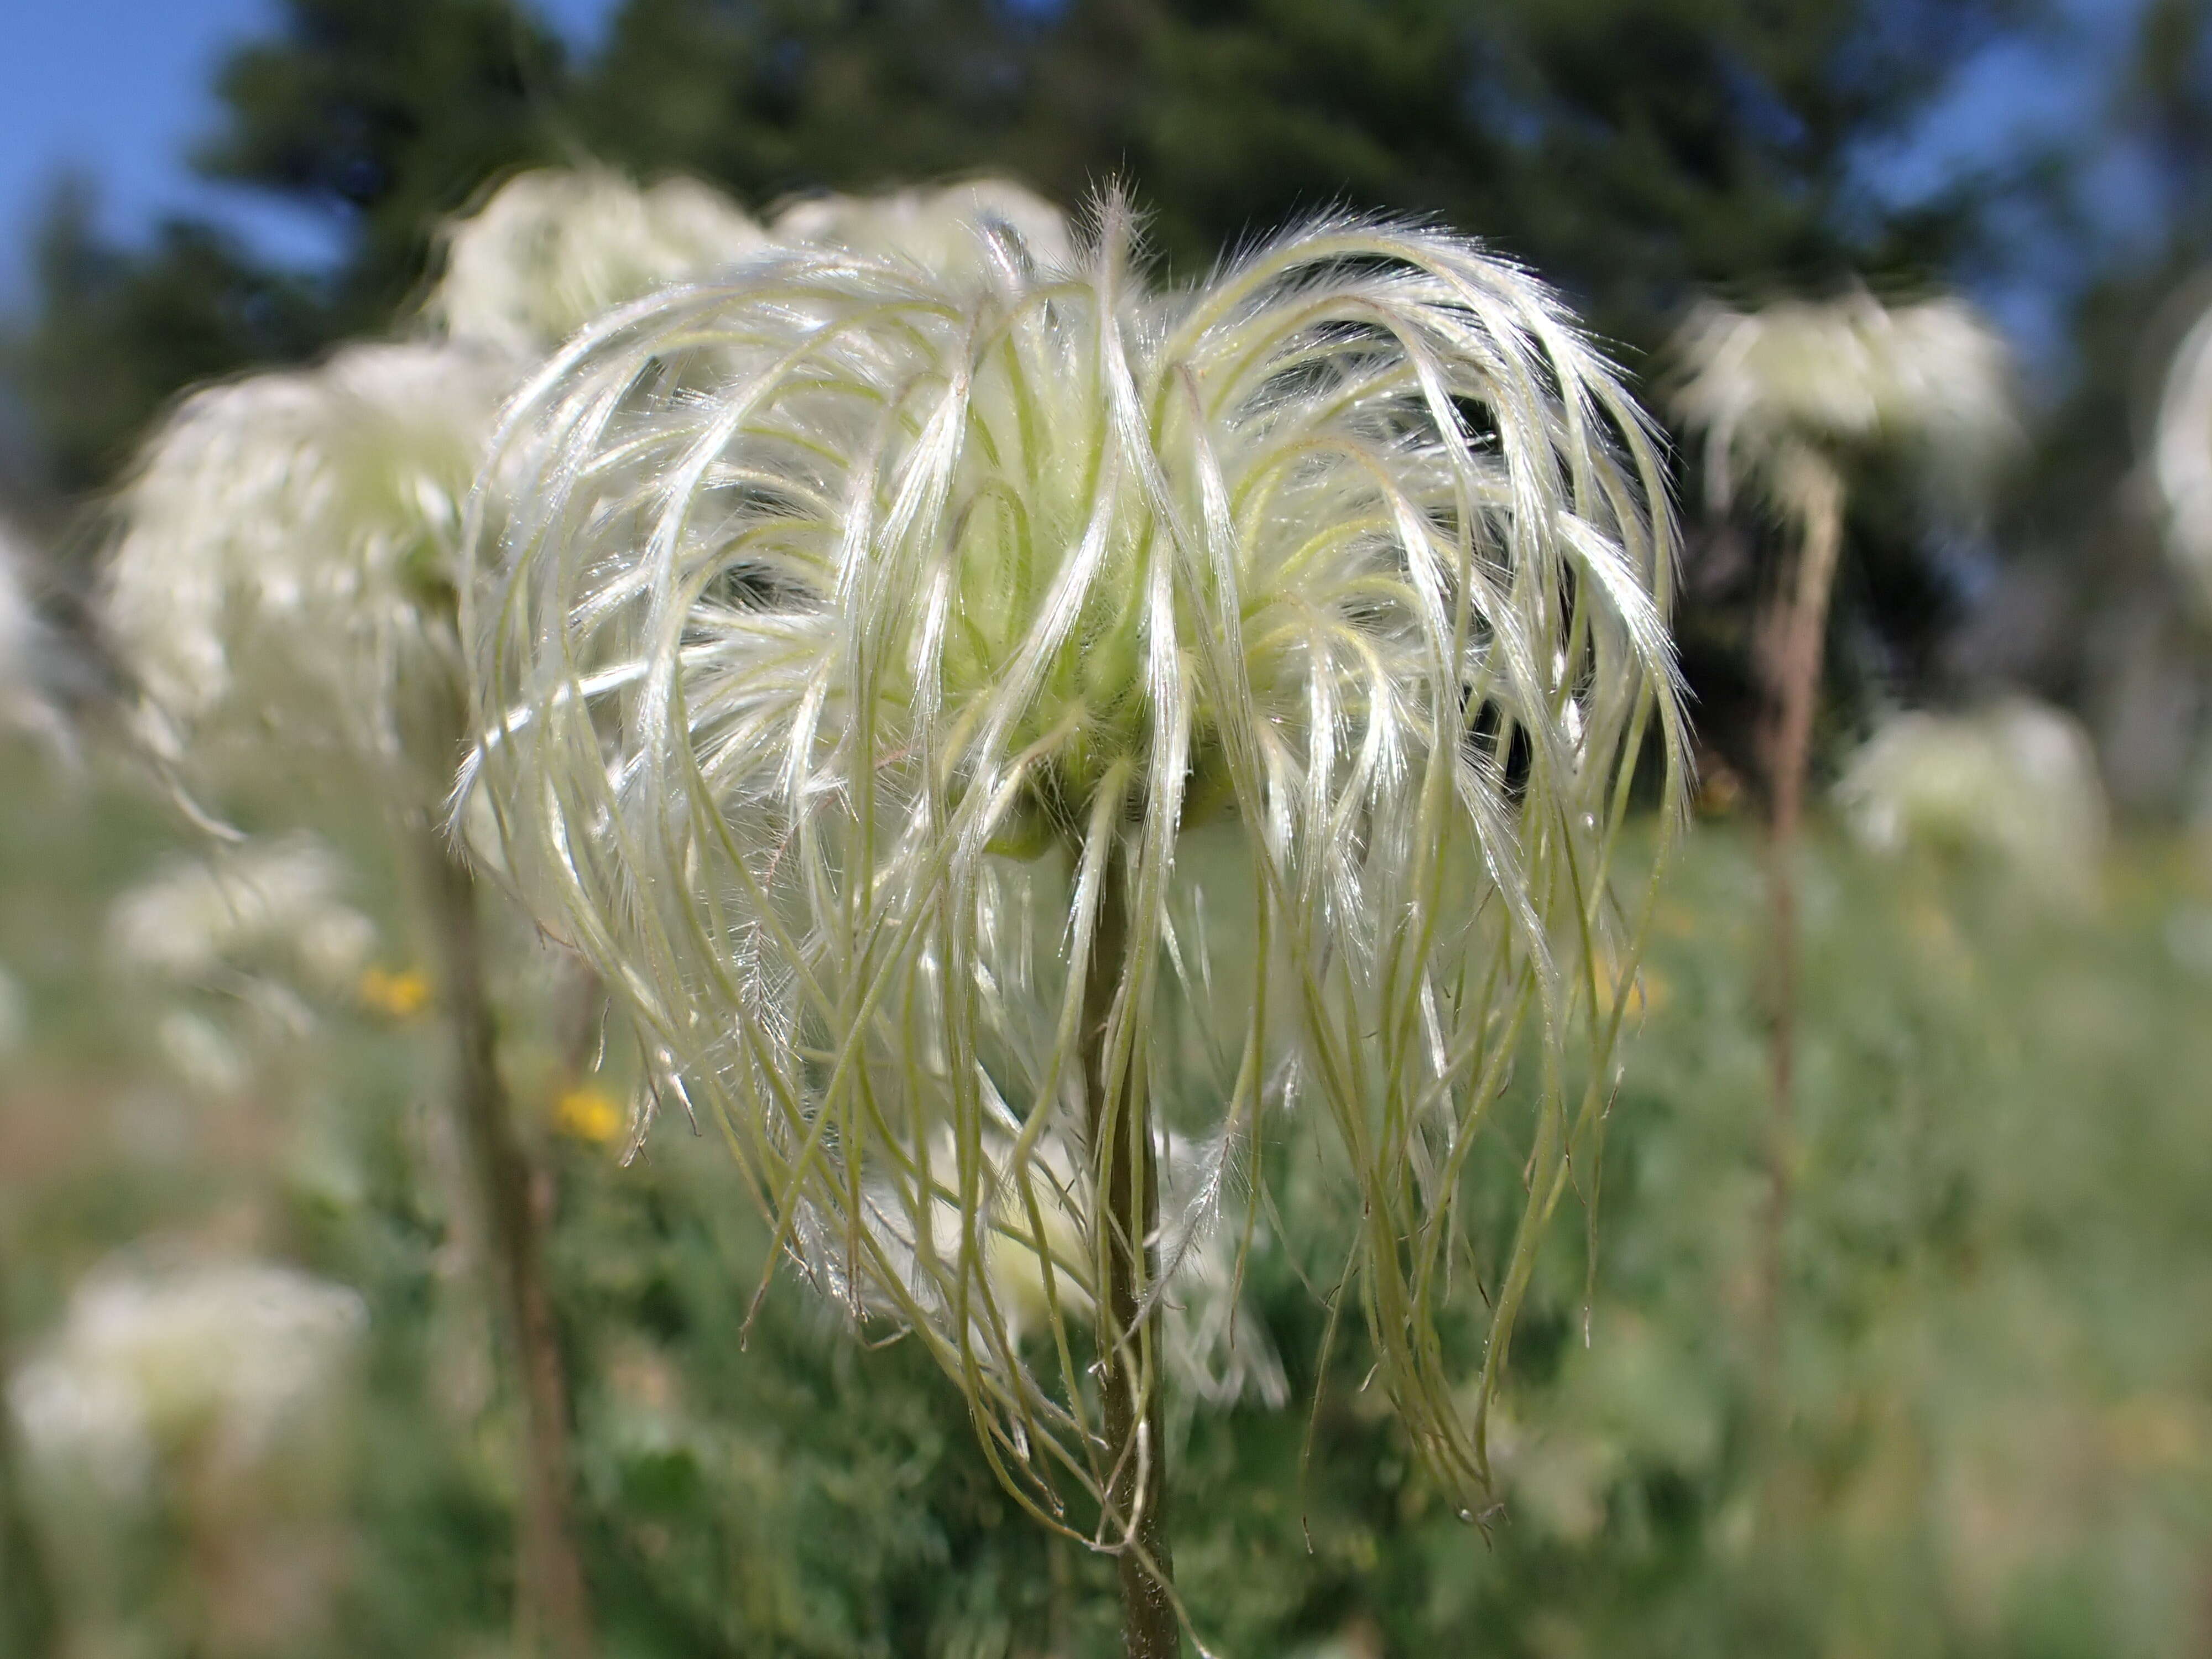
[{"x": 118, "y": 89}]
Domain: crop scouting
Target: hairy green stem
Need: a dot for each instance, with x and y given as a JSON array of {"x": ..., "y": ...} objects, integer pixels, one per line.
[
  {"x": 552, "y": 1612},
  {"x": 1136, "y": 1498}
]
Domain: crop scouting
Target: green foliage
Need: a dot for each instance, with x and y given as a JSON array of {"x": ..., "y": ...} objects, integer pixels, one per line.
[
  {"x": 1628, "y": 150},
  {"x": 772, "y": 97},
  {"x": 120, "y": 329},
  {"x": 389, "y": 114},
  {"x": 1997, "y": 1358}
]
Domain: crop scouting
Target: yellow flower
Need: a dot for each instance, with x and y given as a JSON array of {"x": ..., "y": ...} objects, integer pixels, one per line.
[
  {"x": 1648, "y": 992},
  {"x": 588, "y": 1115},
  {"x": 1720, "y": 791},
  {"x": 399, "y": 995},
  {"x": 2154, "y": 1431}
]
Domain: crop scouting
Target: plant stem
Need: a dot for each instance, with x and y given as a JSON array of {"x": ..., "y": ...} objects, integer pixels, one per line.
[
  {"x": 1795, "y": 641},
  {"x": 1058, "y": 1644},
  {"x": 30, "y": 1617},
  {"x": 552, "y": 1613},
  {"x": 1136, "y": 1499}
]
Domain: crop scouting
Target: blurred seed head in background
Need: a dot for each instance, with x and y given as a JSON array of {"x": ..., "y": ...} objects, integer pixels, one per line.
[
  {"x": 286, "y": 562},
  {"x": 287, "y": 548},
  {"x": 273, "y": 904},
  {"x": 225, "y": 1364},
  {"x": 2181, "y": 458},
  {"x": 550, "y": 251},
  {"x": 934, "y": 229},
  {"x": 2015, "y": 784},
  {"x": 1836, "y": 379}
]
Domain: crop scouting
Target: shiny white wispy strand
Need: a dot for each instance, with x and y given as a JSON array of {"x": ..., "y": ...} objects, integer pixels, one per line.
[
  {"x": 1846, "y": 375},
  {"x": 861, "y": 631}
]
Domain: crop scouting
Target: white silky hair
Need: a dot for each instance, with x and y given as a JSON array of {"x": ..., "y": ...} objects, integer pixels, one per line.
[
  {"x": 553, "y": 248},
  {"x": 859, "y": 627},
  {"x": 1846, "y": 375}
]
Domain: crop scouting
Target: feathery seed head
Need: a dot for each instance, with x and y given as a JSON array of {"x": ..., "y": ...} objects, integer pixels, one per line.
[
  {"x": 1842, "y": 377},
  {"x": 287, "y": 545},
  {"x": 19, "y": 623},
  {"x": 19, "y": 626},
  {"x": 550, "y": 250},
  {"x": 876, "y": 659}
]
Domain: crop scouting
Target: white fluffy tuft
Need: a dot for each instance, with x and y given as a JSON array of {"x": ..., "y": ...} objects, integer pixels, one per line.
[
  {"x": 550, "y": 250},
  {"x": 287, "y": 552}
]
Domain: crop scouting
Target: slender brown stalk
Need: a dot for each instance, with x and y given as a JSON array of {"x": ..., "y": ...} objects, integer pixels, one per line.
[
  {"x": 1136, "y": 1499},
  {"x": 1795, "y": 641},
  {"x": 552, "y": 1612},
  {"x": 1059, "y": 1644},
  {"x": 30, "y": 1617}
]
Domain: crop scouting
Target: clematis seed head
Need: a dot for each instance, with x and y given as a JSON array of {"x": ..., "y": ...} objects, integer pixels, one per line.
[
  {"x": 286, "y": 552},
  {"x": 881, "y": 656}
]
